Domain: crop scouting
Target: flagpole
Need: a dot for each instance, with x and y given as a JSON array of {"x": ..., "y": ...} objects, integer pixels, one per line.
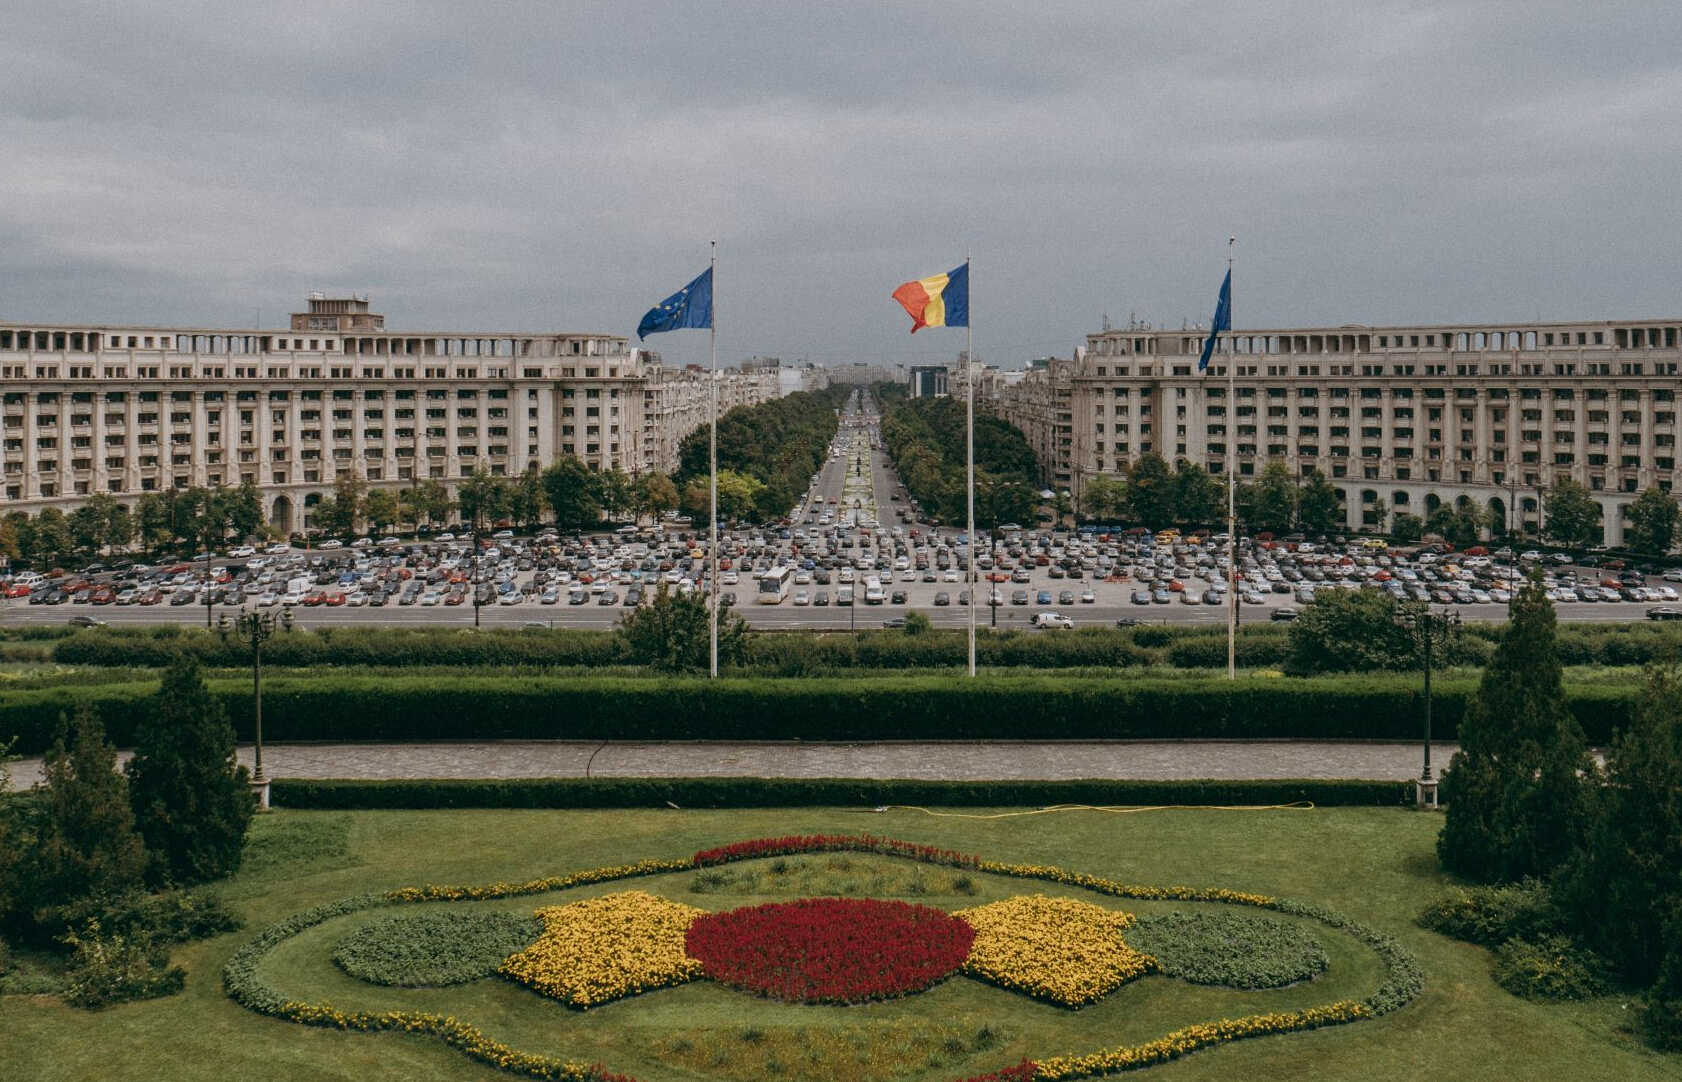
[
  {"x": 712, "y": 465},
  {"x": 969, "y": 442},
  {"x": 1231, "y": 487}
]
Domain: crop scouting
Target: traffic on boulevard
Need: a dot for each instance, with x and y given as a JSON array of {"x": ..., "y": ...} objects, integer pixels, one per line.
[{"x": 855, "y": 553}]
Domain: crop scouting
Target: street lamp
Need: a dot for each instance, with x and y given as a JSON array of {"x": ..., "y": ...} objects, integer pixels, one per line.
[
  {"x": 477, "y": 576},
  {"x": 1432, "y": 629},
  {"x": 255, "y": 628}
]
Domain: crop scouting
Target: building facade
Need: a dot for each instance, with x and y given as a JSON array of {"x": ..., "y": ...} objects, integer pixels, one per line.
[
  {"x": 1401, "y": 419},
  {"x": 128, "y": 410},
  {"x": 928, "y": 381}
]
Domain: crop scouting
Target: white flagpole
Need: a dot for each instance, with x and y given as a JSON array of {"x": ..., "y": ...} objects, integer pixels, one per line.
[
  {"x": 1231, "y": 484},
  {"x": 969, "y": 440},
  {"x": 712, "y": 464}
]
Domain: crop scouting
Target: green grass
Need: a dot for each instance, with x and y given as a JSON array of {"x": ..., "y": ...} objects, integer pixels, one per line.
[{"x": 1374, "y": 865}]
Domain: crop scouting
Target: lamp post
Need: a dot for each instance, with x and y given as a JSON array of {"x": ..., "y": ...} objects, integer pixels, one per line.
[
  {"x": 255, "y": 628},
  {"x": 477, "y": 584},
  {"x": 1432, "y": 629}
]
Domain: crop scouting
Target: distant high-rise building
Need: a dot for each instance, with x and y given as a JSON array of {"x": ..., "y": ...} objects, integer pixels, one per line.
[{"x": 928, "y": 381}]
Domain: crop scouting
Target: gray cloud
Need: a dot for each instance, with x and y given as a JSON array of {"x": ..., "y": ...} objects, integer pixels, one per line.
[{"x": 532, "y": 166}]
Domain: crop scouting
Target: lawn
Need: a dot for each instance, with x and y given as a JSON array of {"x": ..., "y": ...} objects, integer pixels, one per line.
[{"x": 1373, "y": 865}]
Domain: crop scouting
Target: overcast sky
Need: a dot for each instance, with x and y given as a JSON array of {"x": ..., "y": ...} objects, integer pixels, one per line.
[{"x": 562, "y": 166}]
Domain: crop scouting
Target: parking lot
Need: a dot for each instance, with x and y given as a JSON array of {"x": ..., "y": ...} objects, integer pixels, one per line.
[{"x": 853, "y": 554}]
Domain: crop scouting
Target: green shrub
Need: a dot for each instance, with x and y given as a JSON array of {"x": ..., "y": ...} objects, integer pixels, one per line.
[
  {"x": 1151, "y": 637},
  {"x": 434, "y": 949},
  {"x": 357, "y": 707},
  {"x": 1553, "y": 967},
  {"x": 1490, "y": 916},
  {"x": 1229, "y": 949},
  {"x": 1661, "y": 1023},
  {"x": 112, "y": 968}
]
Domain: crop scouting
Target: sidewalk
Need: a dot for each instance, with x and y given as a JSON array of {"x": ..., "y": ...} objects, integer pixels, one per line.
[{"x": 992, "y": 760}]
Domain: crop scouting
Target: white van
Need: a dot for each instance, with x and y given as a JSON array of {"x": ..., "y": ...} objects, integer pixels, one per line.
[{"x": 30, "y": 579}]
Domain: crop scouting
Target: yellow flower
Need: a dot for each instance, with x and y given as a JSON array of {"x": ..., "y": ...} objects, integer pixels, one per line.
[
  {"x": 1059, "y": 949},
  {"x": 607, "y": 948}
]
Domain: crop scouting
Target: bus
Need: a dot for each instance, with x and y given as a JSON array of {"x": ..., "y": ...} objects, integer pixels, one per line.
[{"x": 774, "y": 584}]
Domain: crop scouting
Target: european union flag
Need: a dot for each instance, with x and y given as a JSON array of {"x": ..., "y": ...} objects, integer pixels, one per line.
[
  {"x": 691, "y": 306},
  {"x": 1223, "y": 320}
]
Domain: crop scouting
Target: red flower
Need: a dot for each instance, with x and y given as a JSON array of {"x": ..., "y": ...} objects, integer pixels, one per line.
[
  {"x": 830, "y": 950},
  {"x": 832, "y": 843}
]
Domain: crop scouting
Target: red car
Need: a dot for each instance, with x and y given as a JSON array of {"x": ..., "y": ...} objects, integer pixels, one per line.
[
  {"x": 332, "y": 599},
  {"x": 314, "y": 598}
]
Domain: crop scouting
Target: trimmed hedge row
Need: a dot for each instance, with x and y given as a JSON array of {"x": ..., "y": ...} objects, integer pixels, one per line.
[
  {"x": 349, "y": 707},
  {"x": 820, "y": 792},
  {"x": 797, "y": 653}
]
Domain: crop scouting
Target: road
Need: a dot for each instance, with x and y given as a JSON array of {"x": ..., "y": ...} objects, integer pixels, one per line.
[{"x": 957, "y": 760}]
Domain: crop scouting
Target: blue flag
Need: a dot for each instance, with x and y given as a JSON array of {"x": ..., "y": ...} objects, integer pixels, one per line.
[
  {"x": 691, "y": 306},
  {"x": 1223, "y": 320}
]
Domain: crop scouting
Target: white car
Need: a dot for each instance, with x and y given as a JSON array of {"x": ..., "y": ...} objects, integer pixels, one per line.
[
  {"x": 949, "y": 575},
  {"x": 446, "y": 537},
  {"x": 1052, "y": 619},
  {"x": 331, "y": 543},
  {"x": 242, "y": 552},
  {"x": 356, "y": 600},
  {"x": 292, "y": 597},
  {"x": 801, "y": 597},
  {"x": 279, "y": 548},
  {"x": 360, "y": 543}
]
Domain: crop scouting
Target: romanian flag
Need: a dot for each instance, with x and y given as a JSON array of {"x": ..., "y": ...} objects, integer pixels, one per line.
[{"x": 941, "y": 301}]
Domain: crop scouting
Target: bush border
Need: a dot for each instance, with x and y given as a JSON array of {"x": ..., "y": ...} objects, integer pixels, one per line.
[{"x": 1403, "y": 980}]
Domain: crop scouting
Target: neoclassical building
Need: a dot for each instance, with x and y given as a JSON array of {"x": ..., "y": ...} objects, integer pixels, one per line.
[
  {"x": 130, "y": 409},
  {"x": 1400, "y": 418}
]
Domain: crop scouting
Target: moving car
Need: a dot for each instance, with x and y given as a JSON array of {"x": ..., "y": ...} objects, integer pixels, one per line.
[{"x": 1052, "y": 619}]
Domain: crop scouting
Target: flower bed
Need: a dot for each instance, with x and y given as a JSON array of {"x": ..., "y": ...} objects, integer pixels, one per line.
[
  {"x": 1402, "y": 982},
  {"x": 1231, "y": 949},
  {"x": 1058, "y": 949},
  {"x": 607, "y": 948},
  {"x": 830, "y": 950},
  {"x": 433, "y": 949}
]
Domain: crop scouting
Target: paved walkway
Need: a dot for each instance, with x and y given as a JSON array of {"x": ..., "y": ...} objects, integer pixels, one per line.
[{"x": 991, "y": 760}]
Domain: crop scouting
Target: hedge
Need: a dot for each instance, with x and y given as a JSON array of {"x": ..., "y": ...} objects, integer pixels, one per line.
[
  {"x": 795, "y": 653},
  {"x": 820, "y": 792},
  {"x": 347, "y": 707}
]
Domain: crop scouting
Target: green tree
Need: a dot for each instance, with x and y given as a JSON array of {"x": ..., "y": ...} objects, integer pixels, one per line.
[
  {"x": 1652, "y": 522},
  {"x": 526, "y": 503},
  {"x": 192, "y": 800},
  {"x": 339, "y": 514},
  {"x": 1199, "y": 499},
  {"x": 572, "y": 490},
  {"x": 87, "y": 530},
  {"x": 1624, "y": 887},
  {"x": 245, "y": 510},
  {"x": 1406, "y": 528},
  {"x": 671, "y": 633},
  {"x": 1001, "y": 498},
  {"x": 1460, "y": 526},
  {"x": 381, "y": 508},
  {"x": 426, "y": 501},
  {"x": 615, "y": 492},
  {"x": 1517, "y": 803},
  {"x": 737, "y": 495},
  {"x": 12, "y": 528},
  {"x": 1102, "y": 498},
  {"x": 476, "y": 496},
  {"x": 1318, "y": 511},
  {"x": 152, "y": 515},
  {"x": 1275, "y": 502},
  {"x": 119, "y": 527},
  {"x": 1573, "y": 516},
  {"x": 1150, "y": 492},
  {"x": 85, "y": 849},
  {"x": 49, "y": 540},
  {"x": 1349, "y": 631},
  {"x": 654, "y": 494}
]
